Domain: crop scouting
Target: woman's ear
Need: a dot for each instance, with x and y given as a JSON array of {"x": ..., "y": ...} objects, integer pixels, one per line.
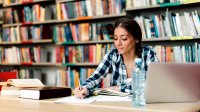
[{"x": 136, "y": 41}]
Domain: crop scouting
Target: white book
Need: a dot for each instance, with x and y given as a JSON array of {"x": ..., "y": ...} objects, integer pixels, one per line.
[
  {"x": 184, "y": 26},
  {"x": 89, "y": 8},
  {"x": 163, "y": 54},
  {"x": 18, "y": 35},
  {"x": 196, "y": 52},
  {"x": 162, "y": 27},
  {"x": 58, "y": 78},
  {"x": 140, "y": 20},
  {"x": 99, "y": 8},
  {"x": 167, "y": 24},
  {"x": 178, "y": 54},
  {"x": 128, "y": 3},
  {"x": 190, "y": 24},
  {"x": 196, "y": 20},
  {"x": 178, "y": 23},
  {"x": 12, "y": 38},
  {"x": 183, "y": 54},
  {"x": 139, "y": 3},
  {"x": 153, "y": 2},
  {"x": 147, "y": 27},
  {"x": 158, "y": 50},
  {"x": 14, "y": 55},
  {"x": 10, "y": 90}
]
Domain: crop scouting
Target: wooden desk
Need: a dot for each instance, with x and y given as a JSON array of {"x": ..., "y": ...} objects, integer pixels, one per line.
[{"x": 14, "y": 104}]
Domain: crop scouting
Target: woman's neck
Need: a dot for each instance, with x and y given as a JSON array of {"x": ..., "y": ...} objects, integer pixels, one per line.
[{"x": 129, "y": 57}]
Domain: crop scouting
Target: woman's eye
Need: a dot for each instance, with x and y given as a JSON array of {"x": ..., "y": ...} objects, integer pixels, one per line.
[
  {"x": 115, "y": 38},
  {"x": 124, "y": 38}
]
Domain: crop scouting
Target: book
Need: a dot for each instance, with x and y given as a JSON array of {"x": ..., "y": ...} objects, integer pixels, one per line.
[
  {"x": 23, "y": 83},
  {"x": 10, "y": 90},
  {"x": 110, "y": 92},
  {"x": 46, "y": 92}
]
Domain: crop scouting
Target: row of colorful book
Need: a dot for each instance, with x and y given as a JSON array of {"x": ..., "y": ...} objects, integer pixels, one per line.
[
  {"x": 89, "y": 8},
  {"x": 169, "y": 24},
  {"x": 27, "y": 14},
  {"x": 27, "y": 33},
  {"x": 83, "y": 32},
  {"x": 181, "y": 54}
]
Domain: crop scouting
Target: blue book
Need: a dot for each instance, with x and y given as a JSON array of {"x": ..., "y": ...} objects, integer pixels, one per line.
[
  {"x": 72, "y": 78},
  {"x": 68, "y": 34}
]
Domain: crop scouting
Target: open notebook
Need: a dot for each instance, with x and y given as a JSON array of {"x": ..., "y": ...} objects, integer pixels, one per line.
[{"x": 110, "y": 92}]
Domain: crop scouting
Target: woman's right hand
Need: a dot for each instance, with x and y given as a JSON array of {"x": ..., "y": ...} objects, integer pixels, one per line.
[{"x": 80, "y": 92}]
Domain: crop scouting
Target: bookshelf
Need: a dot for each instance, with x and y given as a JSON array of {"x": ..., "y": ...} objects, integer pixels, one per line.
[
  {"x": 72, "y": 44},
  {"x": 172, "y": 28},
  {"x": 85, "y": 51},
  {"x": 27, "y": 44}
]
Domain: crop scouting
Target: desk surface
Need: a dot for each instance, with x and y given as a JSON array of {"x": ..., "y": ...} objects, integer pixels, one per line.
[{"x": 13, "y": 104}]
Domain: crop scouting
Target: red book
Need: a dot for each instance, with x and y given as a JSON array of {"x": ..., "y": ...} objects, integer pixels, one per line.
[{"x": 4, "y": 76}]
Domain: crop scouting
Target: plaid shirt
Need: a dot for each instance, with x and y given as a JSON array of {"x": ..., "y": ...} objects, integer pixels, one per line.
[{"x": 113, "y": 62}]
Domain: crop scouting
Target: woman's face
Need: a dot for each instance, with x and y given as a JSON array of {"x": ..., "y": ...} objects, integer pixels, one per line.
[{"x": 123, "y": 40}]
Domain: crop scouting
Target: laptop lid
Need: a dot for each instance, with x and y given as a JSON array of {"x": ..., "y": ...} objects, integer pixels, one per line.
[{"x": 173, "y": 82}]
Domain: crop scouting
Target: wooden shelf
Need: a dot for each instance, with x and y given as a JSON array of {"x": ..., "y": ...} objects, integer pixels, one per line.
[
  {"x": 45, "y": 22},
  {"x": 11, "y": 25},
  {"x": 86, "y": 42},
  {"x": 28, "y": 42},
  {"x": 10, "y": 64},
  {"x": 46, "y": 64},
  {"x": 32, "y": 23},
  {"x": 111, "y": 41},
  {"x": 161, "y": 6},
  {"x": 31, "y": 64},
  {"x": 18, "y": 4},
  {"x": 170, "y": 39},
  {"x": 60, "y": 1},
  {"x": 43, "y": 41},
  {"x": 10, "y": 43},
  {"x": 64, "y": 21},
  {"x": 142, "y": 8},
  {"x": 81, "y": 64},
  {"x": 92, "y": 18}
]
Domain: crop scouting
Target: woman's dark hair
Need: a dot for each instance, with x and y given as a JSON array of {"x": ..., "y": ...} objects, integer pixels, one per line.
[{"x": 131, "y": 26}]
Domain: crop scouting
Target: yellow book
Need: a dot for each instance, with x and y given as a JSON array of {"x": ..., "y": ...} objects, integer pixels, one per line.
[
  {"x": 58, "y": 11},
  {"x": 98, "y": 54}
]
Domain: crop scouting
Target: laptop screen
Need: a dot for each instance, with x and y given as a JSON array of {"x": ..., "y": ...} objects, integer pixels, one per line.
[{"x": 173, "y": 82}]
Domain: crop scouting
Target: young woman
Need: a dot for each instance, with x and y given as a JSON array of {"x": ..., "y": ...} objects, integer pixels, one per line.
[{"x": 120, "y": 61}]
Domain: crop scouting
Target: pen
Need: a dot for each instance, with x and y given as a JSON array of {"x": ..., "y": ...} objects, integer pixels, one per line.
[{"x": 80, "y": 88}]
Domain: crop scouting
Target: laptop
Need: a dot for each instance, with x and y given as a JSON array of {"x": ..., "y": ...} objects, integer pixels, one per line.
[{"x": 173, "y": 82}]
